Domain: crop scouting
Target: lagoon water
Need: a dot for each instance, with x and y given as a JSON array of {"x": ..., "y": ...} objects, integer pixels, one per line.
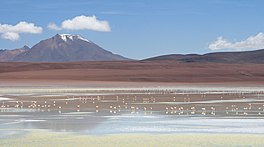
[{"x": 131, "y": 111}]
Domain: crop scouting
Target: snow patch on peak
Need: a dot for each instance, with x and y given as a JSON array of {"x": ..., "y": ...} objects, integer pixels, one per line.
[
  {"x": 84, "y": 39},
  {"x": 65, "y": 37}
]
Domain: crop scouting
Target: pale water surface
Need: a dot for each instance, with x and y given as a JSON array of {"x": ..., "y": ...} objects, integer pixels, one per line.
[{"x": 158, "y": 110}]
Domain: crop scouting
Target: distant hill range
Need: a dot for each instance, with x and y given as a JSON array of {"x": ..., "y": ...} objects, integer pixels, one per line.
[
  {"x": 60, "y": 48},
  {"x": 74, "y": 48},
  {"x": 256, "y": 56},
  {"x": 9, "y": 55}
]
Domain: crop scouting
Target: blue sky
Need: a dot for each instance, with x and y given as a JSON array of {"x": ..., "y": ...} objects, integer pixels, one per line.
[{"x": 144, "y": 28}]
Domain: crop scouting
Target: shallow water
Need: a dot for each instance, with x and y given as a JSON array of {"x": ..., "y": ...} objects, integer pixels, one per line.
[{"x": 150, "y": 110}]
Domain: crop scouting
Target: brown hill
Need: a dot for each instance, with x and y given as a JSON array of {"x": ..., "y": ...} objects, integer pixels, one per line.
[
  {"x": 9, "y": 55},
  {"x": 256, "y": 56}
]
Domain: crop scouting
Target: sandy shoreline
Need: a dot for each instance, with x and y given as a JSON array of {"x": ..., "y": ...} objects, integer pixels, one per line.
[
  {"x": 45, "y": 138},
  {"x": 78, "y": 83}
]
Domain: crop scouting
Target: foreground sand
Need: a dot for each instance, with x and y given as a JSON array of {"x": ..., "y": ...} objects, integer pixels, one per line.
[{"x": 45, "y": 138}]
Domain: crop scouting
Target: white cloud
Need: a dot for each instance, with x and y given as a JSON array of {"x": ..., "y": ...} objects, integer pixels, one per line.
[
  {"x": 252, "y": 42},
  {"x": 83, "y": 23},
  {"x": 10, "y": 36},
  {"x": 53, "y": 26},
  {"x": 12, "y": 32}
]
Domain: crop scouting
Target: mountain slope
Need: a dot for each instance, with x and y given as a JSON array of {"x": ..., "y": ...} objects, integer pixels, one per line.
[
  {"x": 175, "y": 57},
  {"x": 256, "y": 56},
  {"x": 66, "y": 48},
  {"x": 9, "y": 55}
]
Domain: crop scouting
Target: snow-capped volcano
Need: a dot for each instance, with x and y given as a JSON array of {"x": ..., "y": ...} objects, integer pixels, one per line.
[
  {"x": 66, "y": 48},
  {"x": 71, "y": 37}
]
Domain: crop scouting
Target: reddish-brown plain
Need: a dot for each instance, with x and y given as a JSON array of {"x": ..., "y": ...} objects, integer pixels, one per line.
[{"x": 133, "y": 71}]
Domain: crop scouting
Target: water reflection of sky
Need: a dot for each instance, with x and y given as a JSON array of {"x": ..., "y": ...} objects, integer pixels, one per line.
[
  {"x": 175, "y": 124},
  {"x": 101, "y": 124}
]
